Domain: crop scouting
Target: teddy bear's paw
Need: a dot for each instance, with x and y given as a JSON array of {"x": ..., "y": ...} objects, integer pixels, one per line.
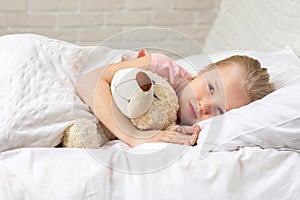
[{"x": 83, "y": 134}]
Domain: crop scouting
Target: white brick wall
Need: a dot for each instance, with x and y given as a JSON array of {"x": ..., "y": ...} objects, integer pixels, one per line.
[{"x": 88, "y": 22}]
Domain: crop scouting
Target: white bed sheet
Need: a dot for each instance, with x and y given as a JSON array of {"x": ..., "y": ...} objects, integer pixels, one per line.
[{"x": 55, "y": 173}]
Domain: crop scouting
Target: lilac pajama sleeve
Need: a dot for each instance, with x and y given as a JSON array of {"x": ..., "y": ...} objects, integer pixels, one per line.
[{"x": 167, "y": 68}]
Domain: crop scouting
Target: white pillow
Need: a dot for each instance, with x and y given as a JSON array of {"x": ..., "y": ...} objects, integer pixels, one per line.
[{"x": 273, "y": 121}]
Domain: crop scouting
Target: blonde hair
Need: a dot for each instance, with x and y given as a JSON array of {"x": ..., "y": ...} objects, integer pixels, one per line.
[{"x": 256, "y": 80}]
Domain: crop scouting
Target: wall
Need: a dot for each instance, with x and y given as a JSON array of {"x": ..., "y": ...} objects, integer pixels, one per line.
[
  {"x": 88, "y": 22},
  {"x": 257, "y": 25}
]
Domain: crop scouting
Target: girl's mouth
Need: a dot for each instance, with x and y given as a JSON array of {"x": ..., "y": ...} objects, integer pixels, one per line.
[{"x": 192, "y": 111}]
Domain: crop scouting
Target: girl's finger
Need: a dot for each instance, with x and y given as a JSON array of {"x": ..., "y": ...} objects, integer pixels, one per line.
[
  {"x": 185, "y": 129},
  {"x": 197, "y": 129},
  {"x": 129, "y": 56},
  {"x": 173, "y": 137},
  {"x": 189, "y": 129},
  {"x": 193, "y": 139}
]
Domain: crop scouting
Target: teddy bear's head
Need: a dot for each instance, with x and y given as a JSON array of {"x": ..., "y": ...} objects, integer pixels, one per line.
[{"x": 146, "y": 98}]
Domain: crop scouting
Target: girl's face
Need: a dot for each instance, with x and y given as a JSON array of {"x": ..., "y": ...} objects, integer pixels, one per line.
[{"x": 212, "y": 93}]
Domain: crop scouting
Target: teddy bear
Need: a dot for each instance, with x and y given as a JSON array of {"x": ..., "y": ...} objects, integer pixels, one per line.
[{"x": 144, "y": 97}]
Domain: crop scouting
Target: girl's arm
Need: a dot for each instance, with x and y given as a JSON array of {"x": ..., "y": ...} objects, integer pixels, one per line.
[{"x": 94, "y": 89}]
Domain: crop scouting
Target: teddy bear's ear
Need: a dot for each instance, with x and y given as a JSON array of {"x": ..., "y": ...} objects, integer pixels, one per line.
[{"x": 143, "y": 81}]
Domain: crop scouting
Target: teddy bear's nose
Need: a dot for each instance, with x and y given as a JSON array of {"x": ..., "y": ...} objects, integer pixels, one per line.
[{"x": 143, "y": 81}]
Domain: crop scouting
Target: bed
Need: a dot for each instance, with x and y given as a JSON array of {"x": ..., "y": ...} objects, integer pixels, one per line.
[{"x": 249, "y": 153}]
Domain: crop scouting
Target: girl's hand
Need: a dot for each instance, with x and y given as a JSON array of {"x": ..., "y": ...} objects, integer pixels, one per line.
[
  {"x": 134, "y": 55},
  {"x": 186, "y": 135}
]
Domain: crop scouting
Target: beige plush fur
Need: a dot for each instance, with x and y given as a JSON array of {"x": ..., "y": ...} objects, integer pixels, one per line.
[{"x": 162, "y": 115}]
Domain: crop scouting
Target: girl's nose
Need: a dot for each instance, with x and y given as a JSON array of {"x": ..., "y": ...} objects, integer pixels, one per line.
[{"x": 206, "y": 106}]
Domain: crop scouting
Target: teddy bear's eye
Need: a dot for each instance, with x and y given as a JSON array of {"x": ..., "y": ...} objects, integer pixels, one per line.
[
  {"x": 154, "y": 95},
  {"x": 153, "y": 81}
]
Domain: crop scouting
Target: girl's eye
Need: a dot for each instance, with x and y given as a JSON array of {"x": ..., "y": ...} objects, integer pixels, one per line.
[
  {"x": 221, "y": 112},
  {"x": 154, "y": 95},
  {"x": 211, "y": 89}
]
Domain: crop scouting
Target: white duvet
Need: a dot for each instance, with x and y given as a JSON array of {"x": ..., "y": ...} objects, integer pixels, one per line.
[
  {"x": 37, "y": 76},
  {"x": 38, "y": 102}
]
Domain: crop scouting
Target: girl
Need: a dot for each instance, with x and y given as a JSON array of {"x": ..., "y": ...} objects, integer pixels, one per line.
[{"x": 218, "y": 88}]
